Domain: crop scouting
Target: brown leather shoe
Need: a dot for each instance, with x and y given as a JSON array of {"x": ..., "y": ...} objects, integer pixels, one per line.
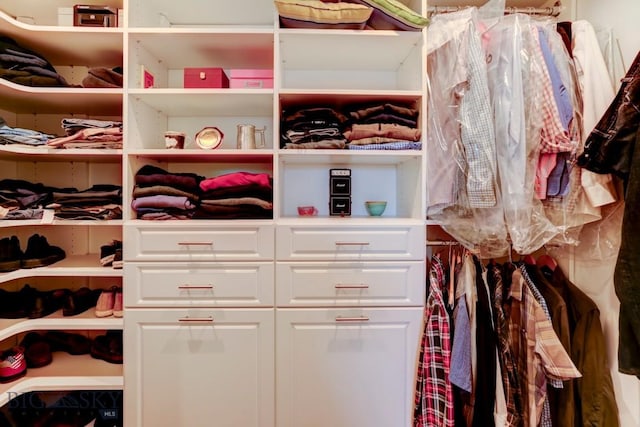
[
  {"x": 71, "y": 343},
  {"x": 37, "y": 350},
  {"x": 108, "y": 347}
]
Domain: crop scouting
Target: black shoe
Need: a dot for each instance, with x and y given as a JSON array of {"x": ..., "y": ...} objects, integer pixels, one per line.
[
  {"x": 10, "y": 254},
  {"x": 40, "y": 253},
  {"x": 47, "y": 302},
  {"x": 108, "y": 253},
  {"x": 117, "y": 259},
  {"x": 80, "y": 301},
  {"x": 16, "y": 305},
  {"x": 10, "y": 305}
]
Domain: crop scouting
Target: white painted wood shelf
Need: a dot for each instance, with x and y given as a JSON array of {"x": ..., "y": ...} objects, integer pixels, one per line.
[
  {"x": 66, "y": 372},
  {"x": 74, "y": 265},
  {"x": 56, "y": 321},
  {"x": 43, "y": 154},
  {"x": 61, "y": 100},
  {"x": 86, "y": 46}
]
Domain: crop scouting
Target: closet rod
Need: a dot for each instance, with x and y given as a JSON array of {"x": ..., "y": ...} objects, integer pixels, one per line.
[
  {"x": 545, "y": 11},
  {"x": 442, "y": 243}
]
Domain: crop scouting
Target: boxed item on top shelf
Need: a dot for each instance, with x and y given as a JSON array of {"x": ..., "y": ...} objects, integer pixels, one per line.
[
  {"x": 200, "y": 77},
  {"x": 251, "y": 79},
  {"x": 95, "y": 16}
]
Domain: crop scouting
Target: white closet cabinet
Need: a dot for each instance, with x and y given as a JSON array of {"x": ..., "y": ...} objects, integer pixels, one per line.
[
  {"x": 72, "y": 51},
  {"x": 199, "y": 367},
  {"x": 346, "y": 367},
  {"x": 199, "y": 317}
]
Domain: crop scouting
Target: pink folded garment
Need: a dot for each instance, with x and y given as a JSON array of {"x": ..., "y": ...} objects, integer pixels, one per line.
[
  {"x": 236, "y": 179},
  {"x": 546, "y": 163}
]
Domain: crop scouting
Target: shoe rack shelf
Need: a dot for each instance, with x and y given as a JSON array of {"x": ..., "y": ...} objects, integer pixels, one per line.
[
  {"x": 66, "y": 372},
  {"x": 72, "y": 265},
  {"x": 56, "y": 321},
  {"x": 72, "y": 51}
]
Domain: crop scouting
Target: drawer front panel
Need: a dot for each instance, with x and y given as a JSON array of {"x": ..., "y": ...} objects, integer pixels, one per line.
[
  {"x": 182, "y": 285},
  {"x": 350, "y": 243},
  {"x": 168, "y": 243},
  {"x": 350, "y": 284}
]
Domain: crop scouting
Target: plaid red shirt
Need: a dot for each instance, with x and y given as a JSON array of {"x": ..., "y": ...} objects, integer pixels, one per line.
[{"x": 434, "y": 393}]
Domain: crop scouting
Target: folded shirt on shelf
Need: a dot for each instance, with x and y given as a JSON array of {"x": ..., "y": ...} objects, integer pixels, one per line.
[
  {"x": 162, "y": 195},
  {"x": 22, "y": 199}
]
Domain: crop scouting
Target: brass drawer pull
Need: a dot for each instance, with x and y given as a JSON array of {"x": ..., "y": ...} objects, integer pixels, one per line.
[
  {"x": 361, "y": 286},
  {"x": 188, "y": 319},
  {"x": 352, "y": 243},
  {"x": 195, "y": 243},
  {"x": 352, "y": 319},
  {"x": 187, "y": 287}
]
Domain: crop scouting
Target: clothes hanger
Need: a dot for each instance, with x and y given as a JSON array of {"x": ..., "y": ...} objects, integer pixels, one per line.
[
  {"x": 547, "y": 261},
  {"x": 451, "y": 300}
]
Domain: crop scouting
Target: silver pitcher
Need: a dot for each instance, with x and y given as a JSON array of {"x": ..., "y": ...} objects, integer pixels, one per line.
[{"x": 247, "y": 137}]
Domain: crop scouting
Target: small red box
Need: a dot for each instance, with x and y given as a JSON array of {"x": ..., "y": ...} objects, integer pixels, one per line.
[
  {"x": 205, "y": 78},
  {"x": 251, "y": 79}
]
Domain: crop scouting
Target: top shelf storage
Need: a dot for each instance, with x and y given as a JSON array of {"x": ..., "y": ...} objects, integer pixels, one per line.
[
  {"x": 171, "y": 13},
  {"x": 72, "y": 46},
  {"x": 46, "y": 12},
  {"x": 351, "y": 59}
]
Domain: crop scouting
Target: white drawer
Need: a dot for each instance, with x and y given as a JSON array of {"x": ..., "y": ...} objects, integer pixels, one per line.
[
  {"x": 350, "y": 284},
  {"x": 200, "y": 285},
  {"x": 334, "y": 243},
  {"x": 198, "y": 243}
]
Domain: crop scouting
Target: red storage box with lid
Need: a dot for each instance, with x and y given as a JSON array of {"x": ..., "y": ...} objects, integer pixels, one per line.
[
  {"x": 251, "y": 79},
  {"x": 198, "y": 77}
]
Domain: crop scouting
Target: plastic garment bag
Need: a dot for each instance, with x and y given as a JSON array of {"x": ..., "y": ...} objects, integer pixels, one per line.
[
  {"x": 515, "y": 77},
  {"x": 463, "y": 194},
  {"x": 568, "y": 210}
]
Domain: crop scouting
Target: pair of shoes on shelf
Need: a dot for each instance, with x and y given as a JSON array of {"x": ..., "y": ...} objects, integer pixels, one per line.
[
  {"x": 30, "y": 302},
  {"x": 111, "y": 255},
  {"x": 108, "y": 347},
  {"x": 73, "y": 343},
  {"x": 80, "y": 301},
  {"x": 39, "y": 253},
  {"x": 13, "y": 364},
  {"x": 110, "y": 303},
  {"x": 38, "y": 348}
]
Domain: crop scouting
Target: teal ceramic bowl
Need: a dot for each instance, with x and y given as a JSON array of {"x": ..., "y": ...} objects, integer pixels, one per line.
[{"x": 375, "y": 207}]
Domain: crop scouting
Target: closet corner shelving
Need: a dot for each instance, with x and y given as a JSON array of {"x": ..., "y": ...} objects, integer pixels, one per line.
[
  {"x": 261, "y": 297},
  {"x": 72, "y": 51}
]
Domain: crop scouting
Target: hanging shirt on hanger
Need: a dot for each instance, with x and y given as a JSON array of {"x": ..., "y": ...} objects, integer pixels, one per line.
[
  {"x": 539, "y": 353},
  {"x": 434, "y": 394}
]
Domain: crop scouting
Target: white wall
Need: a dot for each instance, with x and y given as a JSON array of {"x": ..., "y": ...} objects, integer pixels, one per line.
[{"x": 620, "y": 16}]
